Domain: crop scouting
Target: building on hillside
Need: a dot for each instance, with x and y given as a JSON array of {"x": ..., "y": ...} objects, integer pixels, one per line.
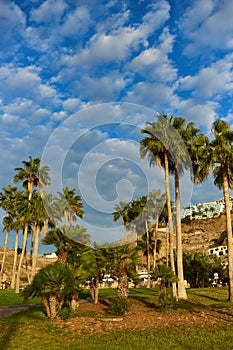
[{"x": 219, "y": 251}]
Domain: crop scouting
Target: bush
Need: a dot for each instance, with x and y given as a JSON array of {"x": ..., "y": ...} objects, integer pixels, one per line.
[
  {"x": 166, "y": 301},
  {"x": 64, "y": 313},
  {"x": 119, "y": 307}
]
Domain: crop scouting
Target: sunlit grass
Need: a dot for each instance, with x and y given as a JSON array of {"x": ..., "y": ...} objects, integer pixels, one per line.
[{"x": 31, "y": 329}]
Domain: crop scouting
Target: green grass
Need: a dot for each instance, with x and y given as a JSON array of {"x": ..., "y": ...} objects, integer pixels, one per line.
[
  {"x": 8, "y": 297},
  {"x": 32, "y": 330}
]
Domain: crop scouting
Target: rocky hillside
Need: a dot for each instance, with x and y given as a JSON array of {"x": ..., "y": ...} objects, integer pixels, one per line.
[
  {"x": 26, "y": 268},
  {"x": 199, "y": 235}
]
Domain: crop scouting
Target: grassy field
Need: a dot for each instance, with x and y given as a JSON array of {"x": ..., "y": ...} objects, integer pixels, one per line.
[{"x": 32, "y": 330}]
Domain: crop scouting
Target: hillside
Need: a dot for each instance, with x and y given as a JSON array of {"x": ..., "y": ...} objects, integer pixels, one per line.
[{"x": 26, "y": 267}]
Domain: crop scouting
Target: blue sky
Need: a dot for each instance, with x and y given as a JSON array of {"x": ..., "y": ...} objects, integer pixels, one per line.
[{"x": 73, "y": 73}]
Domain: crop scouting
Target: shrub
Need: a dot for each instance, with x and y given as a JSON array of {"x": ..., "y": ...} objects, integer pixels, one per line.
[
  {"x": 119, "y": 307},
  {"x": 166, "y": 301},
  {"x": 64, "y": 313}
]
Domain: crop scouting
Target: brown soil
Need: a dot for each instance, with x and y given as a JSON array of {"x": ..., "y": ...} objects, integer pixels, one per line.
[
  {"x": 96, "y": 318},
  {"x": 93, "y": 318}
]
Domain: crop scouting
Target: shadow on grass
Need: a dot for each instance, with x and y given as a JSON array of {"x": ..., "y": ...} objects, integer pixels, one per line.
[{"x": 11, "y": 325}]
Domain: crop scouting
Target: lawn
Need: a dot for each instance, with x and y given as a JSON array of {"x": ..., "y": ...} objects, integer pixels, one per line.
[{"x": 31, "y": 329}]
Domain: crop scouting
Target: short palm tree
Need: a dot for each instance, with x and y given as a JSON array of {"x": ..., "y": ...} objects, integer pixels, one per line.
[
  {"x": 55, "y": 280},
  {"x": 93, "y": 261},
  {"x": 121, "y": 264}
]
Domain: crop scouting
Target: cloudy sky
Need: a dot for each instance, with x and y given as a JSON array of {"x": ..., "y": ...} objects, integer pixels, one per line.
[{"x": 79, "y": 78}]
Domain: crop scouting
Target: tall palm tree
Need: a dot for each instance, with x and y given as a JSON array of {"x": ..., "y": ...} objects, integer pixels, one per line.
[
  {"x": 182, "y": 160},
  {"x": 31, "y": 175},
  {"x": 39, "y": 218},
  {"x": 155, "y": 146},
  {"x": 157, "y": 203},
  {"x": 7, "y": 203},
  {"x": 69, "y": 204},
  {"x": 222, "y": 162},
  {"x": 121, "y": 210}
]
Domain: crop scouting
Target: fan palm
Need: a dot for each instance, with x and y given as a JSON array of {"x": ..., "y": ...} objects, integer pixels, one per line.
[
  {"x": 55, "y": 279},
  {"x": 155, "y": 146},
  {"x": 222, "y": 161},
  {"x": 121, "y": 210}
]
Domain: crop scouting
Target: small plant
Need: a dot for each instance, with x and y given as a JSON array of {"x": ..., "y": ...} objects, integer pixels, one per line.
[
  {"x": 119, "y": 307},
  {"x": 166, "y": 301},
  {"x": 64, "y": 313}
]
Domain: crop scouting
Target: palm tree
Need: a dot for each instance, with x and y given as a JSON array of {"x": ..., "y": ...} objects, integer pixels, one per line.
[
  {"x": 122, "y": 262},
  {"x": 221, "y": 152},
  {"x": 69, "y": 205},
  {"x": 155, "y": 146},
  {"x": 93, "y": 261},
  {"x": 55, "y": 279},
  {"x": 217, "y": 154},
  {"x": 8, "y": 203},
  {"x": 39, "y": 217},
  {"x": 121, "y": 210},
  {"x": 66, "y": 240},
  {"x": 30, "y": 175},
  {"x": 157, "y": 203},
  {"x": 182, "y": 160}
]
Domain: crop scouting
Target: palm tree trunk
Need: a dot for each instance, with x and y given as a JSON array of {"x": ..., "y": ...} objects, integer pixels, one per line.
[
  {"x": 74, "y": 304},
  {"x": 170, "y": 221},
  {"x": 35, "y": 253},
  {"x": 4, "y": 255},
  {"x": 96, "y": 289},
  {"x": 53, "y": 305},
  {"x": 62, "y": 256},
  {"x": 123, "y": 288},
  {"x": 182, "y": 295},
  {"x": 15, "y": 259},
  {"x": 155, "y": 233},
  {"x": 148, "y": 255},
  {"x": 25, "y": 236},
  {"x": 229, "y": 234},
  {"x": 46, "y": 304}
]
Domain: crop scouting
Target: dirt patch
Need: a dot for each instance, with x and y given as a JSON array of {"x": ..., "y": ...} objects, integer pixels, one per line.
[{"x": 96, "y": 318}]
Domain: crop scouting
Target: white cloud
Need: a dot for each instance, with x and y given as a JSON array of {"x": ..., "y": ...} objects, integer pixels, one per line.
[
  {"x": 12, "y": 23},
  {"x": 153, "y": 63},
  {"x": 26, "y": 83},
  {"x": 213, "y": 80},
  {"x": 202, "y": 114},
  {"x": 157, "y": 96},
  {"x": 105, "y": 88},
  {"x": 206, "y": 23},
  {"x": 49, "y": 12}
]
